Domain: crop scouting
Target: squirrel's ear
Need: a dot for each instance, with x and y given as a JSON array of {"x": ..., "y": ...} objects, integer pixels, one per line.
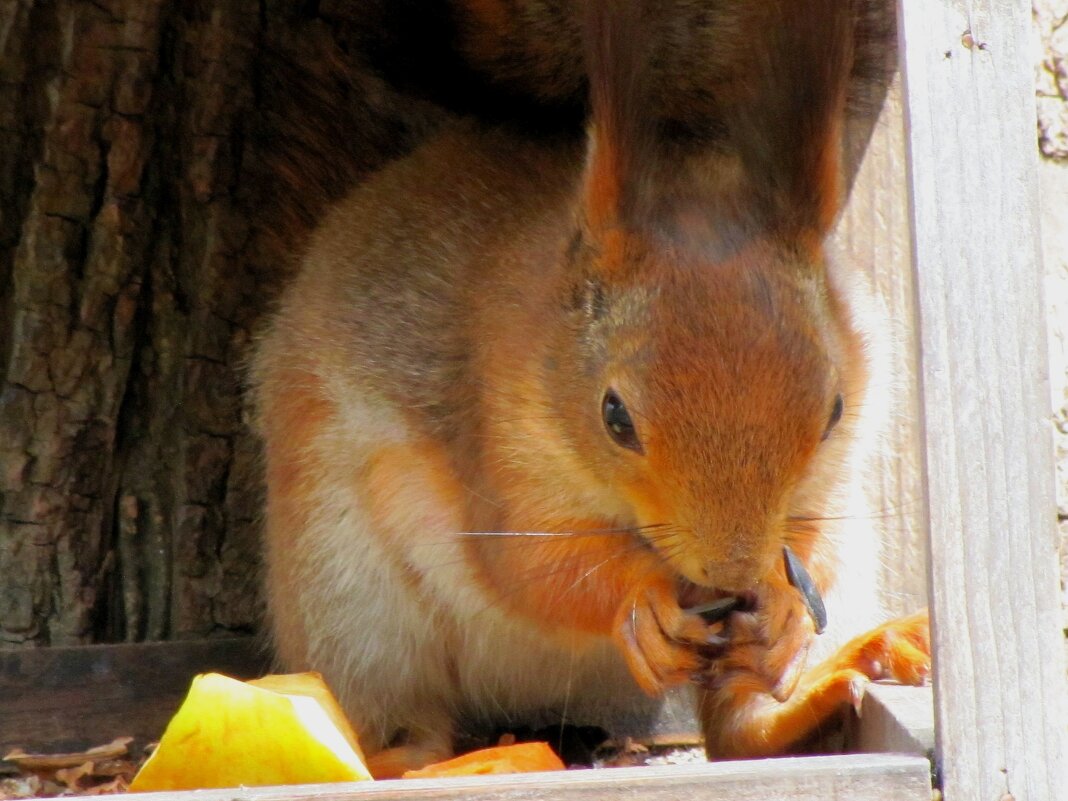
[{"x": 621, "y": 153}]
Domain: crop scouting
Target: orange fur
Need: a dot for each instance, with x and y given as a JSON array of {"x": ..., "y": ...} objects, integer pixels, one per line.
[
  {"x": 290, "y": 422},
  {"x": 546, "y": 580},
  {"x": 741, "y": 718},
  {"x": 458, "y": 527}
]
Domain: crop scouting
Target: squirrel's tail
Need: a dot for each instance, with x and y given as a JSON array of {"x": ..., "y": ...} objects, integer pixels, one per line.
[
  {"x": 328, "y": 120},
  {"x": 767, "y": 161},
  {"x": 761, "y": 82}
]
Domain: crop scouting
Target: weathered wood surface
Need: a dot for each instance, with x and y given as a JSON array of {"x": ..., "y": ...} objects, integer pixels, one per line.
[
  {"x": 73, "y": 698},
  {"x": 999, "y": 678},
  {"x": 59, "y": 699},
  {"x": 894, "y": 720},
  {"x": 874, "y": 235},
  {"x": 857, "y": 778}
]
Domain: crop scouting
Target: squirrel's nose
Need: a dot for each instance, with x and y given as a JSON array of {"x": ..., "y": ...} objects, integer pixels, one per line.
[
  {"x": 737, "y": 575},
  {"x": 740, "y": 573}
]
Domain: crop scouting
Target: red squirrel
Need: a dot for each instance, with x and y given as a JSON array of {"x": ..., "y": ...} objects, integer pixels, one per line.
[{"x": 529, "y": 402}]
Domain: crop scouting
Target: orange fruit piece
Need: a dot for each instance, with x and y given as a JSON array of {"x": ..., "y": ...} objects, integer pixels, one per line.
[
  {"x": 518, "y": 758},
  {"x": 285, "y": 729}
]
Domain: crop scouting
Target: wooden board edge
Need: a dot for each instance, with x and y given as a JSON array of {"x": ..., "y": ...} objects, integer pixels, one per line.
[
  {"x": 997, "y": 639},
  {"x": 894, "y": 720},
  {"x": 858, "y": 777},
  {"x": 68, "y": 698}
]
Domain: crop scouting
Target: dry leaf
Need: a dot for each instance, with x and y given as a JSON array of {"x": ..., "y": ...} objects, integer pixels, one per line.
[
  {"x": 72, "y": 777},
  {"x": 91, "y": 772},
  {"x": 50, "y": 762},
  {"x": 120, "y": 784}
]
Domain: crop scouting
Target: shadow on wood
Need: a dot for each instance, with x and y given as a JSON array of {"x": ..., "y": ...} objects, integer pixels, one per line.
[{"x": 71, "y": 698}]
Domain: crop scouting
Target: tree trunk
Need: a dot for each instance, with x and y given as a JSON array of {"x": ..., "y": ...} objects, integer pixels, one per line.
[{"x": 154, "y": 175}]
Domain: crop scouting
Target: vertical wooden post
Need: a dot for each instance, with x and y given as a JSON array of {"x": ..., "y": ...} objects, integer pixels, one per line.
[
  {"x": 999, "y": 666},
  {"x": 874, "y": 234}
]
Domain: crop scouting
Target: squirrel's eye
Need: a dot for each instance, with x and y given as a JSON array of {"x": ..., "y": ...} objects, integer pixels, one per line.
[
  {"x": 617, "y": 421},
  {"x": 836, "y": 415}
]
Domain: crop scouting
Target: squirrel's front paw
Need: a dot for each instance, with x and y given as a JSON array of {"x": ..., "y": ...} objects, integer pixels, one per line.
[
  {"x": 660, "y": 641},
  {"x": 768, "y": 641}
]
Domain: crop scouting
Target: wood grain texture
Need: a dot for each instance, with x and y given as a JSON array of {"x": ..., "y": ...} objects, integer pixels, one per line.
[
  {"x": 858, "y": 778},
  {"x": 894, "y": 720},
  {"x": 999, "y": 679},
  {"x": 873, "y": 234},
  {"x": 73, "y": 698},
  {"x": 56, "y": 699}
]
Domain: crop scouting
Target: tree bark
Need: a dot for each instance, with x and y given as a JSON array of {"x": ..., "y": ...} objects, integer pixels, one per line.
[{"x": 156, "y": 171}]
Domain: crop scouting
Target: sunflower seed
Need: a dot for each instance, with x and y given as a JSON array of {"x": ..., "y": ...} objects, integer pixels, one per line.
[
  {"x": 799, "y": 578},
  {"x": 715, "y": 611}
]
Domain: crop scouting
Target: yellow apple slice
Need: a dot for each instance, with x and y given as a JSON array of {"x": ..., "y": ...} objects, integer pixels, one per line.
[
  {"x": 229, "y": 733},
  {"x": 312, "y": 685}
]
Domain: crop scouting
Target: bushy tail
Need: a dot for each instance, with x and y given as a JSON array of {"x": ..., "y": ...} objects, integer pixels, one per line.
[
  {"x": 788, "y": 111},
  {"x": 761, "y": 150},
  {"x": 328, "y": 121}
]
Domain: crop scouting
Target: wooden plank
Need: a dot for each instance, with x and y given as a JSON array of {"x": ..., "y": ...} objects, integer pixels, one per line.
[
  {"x": 999, "y": 679},
  {"x": 894, "y": 720},
  {"x": 858, "y": 778},
  {"x": 59, "y": 699},
  {"x": 874, "y": 235},
  {"x": 56, "y": 699}
]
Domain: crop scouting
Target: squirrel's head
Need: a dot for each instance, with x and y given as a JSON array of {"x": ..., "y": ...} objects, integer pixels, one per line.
[
  {"x": 707, "y": 397},
  {"x": 705, "y": 349}
]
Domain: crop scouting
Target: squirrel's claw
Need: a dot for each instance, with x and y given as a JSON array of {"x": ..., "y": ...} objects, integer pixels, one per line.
[
  {"x": 770, "y": 642},
  {"x": 659, "y": 640}
]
